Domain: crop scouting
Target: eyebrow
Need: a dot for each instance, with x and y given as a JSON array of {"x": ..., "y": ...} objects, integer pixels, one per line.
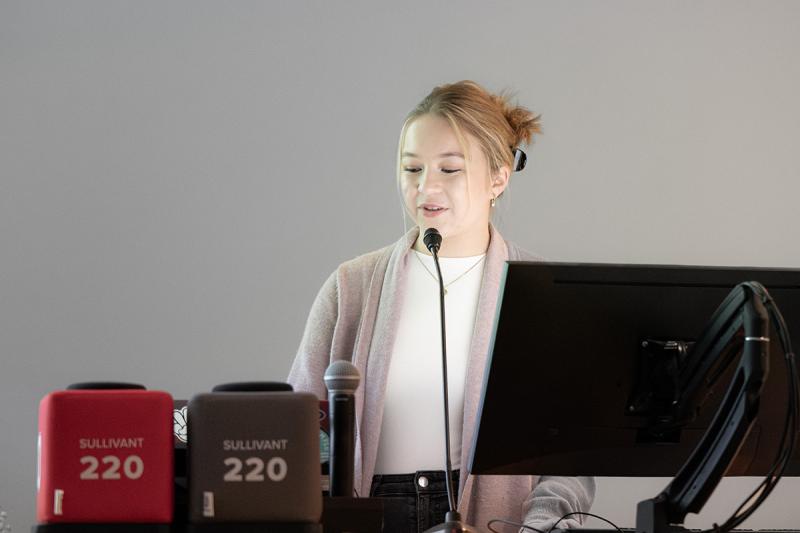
[{"x": 444, "y": 154}]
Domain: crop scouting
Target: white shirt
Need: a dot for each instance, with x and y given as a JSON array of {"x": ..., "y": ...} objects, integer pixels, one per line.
[{"x": 412, "y": 430}]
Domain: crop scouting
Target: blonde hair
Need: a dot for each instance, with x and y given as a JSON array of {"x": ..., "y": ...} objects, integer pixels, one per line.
[{"x": 491, "y": 119}]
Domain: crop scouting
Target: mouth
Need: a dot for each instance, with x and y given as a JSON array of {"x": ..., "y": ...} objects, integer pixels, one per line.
[{"x": 431, "y": 210}]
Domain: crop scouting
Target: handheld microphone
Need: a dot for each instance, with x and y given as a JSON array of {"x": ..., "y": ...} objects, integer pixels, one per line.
[
  {"x": 342, "y": 379},
  {"x": 452, "y": 522}
]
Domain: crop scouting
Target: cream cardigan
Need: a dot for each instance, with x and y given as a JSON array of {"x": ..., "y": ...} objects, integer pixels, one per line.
[{"x": 354, "y": 317}]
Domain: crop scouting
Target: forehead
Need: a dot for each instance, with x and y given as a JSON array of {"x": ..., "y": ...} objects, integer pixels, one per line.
[{"x": 431, "y": 136}]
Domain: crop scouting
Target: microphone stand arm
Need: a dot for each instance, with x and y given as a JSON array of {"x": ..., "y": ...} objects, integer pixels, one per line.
[{"x": 452, "y": 521}]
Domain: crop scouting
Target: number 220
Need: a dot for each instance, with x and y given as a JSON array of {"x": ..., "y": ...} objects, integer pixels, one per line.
[
  {"x": 132, "y": 467},
  {"x": 276, "y": 469}
]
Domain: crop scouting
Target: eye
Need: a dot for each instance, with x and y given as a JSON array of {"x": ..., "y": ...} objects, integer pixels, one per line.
[
  {"x": 451, "y": 170},
  {"x": 411, "y": 170}
]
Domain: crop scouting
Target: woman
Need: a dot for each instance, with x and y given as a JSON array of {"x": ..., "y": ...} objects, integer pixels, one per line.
[{"x": 457, "y": 150}]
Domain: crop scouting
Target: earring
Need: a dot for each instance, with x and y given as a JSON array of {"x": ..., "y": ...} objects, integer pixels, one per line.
[{"x": 493, "y": 201}]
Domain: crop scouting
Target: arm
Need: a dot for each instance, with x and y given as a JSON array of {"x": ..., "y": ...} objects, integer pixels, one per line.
[
  {"x": 555, "y": 496},
  {"x": 313, "y": 355}
]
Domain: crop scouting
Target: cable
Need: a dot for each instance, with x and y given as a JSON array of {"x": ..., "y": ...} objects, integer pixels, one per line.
[
  {"x": 578, "y": 513},
  {"x": 759, "y": 495},
  {"x": 575, "y": 513},
  {"x": 509, "y": 523},
  {"x": 789, "y": 436}
]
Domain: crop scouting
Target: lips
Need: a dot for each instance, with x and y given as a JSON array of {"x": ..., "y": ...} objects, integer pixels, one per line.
[{"x": 432, "y": 210}]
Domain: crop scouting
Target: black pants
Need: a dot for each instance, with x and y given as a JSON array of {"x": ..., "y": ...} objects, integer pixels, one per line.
[{"x": 413, "y": 502}]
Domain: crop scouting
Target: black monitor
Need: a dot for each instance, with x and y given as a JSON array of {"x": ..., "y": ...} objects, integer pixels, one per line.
[{"x": 562, "y": 390}]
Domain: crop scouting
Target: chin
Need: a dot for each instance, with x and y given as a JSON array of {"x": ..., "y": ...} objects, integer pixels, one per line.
[{"x": 441, "y": 228}]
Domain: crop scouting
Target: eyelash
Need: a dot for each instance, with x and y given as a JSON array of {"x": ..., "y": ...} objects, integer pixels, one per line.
[{"x": 414, "y": 170}]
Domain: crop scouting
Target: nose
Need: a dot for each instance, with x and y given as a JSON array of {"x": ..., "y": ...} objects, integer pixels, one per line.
[{"x": 428, "y": 182}]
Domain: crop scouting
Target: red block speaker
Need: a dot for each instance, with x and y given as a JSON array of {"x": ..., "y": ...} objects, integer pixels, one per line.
[{"x": 105, "y": 456}]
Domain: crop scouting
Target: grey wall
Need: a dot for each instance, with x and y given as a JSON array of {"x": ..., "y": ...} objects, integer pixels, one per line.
[{"x": 179, "y": 178}]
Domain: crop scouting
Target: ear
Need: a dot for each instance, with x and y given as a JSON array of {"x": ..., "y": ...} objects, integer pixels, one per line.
[{"x": 500, "y": 181}]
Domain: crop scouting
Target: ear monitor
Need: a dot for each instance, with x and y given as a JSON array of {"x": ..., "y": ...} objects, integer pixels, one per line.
[{"x": 520, "y": 158}]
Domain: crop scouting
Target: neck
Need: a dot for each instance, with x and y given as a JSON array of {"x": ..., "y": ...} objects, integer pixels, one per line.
[{"x": 467, "y": 245}]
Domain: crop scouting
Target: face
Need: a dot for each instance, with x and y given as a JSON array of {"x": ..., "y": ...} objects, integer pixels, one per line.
[{"x": 446, "y": 189}]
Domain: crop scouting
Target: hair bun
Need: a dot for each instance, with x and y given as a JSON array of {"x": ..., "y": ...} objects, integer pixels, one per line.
[{"x": 524, "y": 123}]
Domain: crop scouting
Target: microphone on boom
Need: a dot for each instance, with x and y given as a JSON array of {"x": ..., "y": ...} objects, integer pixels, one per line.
[
  {"x": 452, "y": 521},
  {"x": 432, "y": 240}
]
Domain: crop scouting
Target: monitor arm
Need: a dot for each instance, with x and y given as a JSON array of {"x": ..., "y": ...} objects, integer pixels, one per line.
[{"x": 715, "y": 350}]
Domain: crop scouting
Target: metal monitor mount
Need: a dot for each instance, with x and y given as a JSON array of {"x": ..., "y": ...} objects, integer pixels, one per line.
[{"x": 739, "y": 326}]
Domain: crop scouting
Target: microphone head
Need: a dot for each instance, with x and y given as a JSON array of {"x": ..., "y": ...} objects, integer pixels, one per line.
[
  {"x": 342, "y": 376},
  {"x": 432, "y": 239}
]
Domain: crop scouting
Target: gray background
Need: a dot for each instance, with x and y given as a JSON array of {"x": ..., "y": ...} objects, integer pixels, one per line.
[{"x": 179, "y": 178}]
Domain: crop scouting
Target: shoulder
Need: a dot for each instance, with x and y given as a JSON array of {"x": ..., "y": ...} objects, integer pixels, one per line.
[
  {"x": 356, "y": 274},
  {"x": 360, "y": 271},
  {"x": 364, "y": 263}
]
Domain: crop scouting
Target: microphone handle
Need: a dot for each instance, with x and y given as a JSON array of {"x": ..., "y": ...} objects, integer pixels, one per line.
[{"x": 342, "y": 461}]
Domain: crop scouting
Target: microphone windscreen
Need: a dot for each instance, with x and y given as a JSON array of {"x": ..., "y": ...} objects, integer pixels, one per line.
[
  {"x": 432, "y": 239},
  {"x": 342, "y": 376}
]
